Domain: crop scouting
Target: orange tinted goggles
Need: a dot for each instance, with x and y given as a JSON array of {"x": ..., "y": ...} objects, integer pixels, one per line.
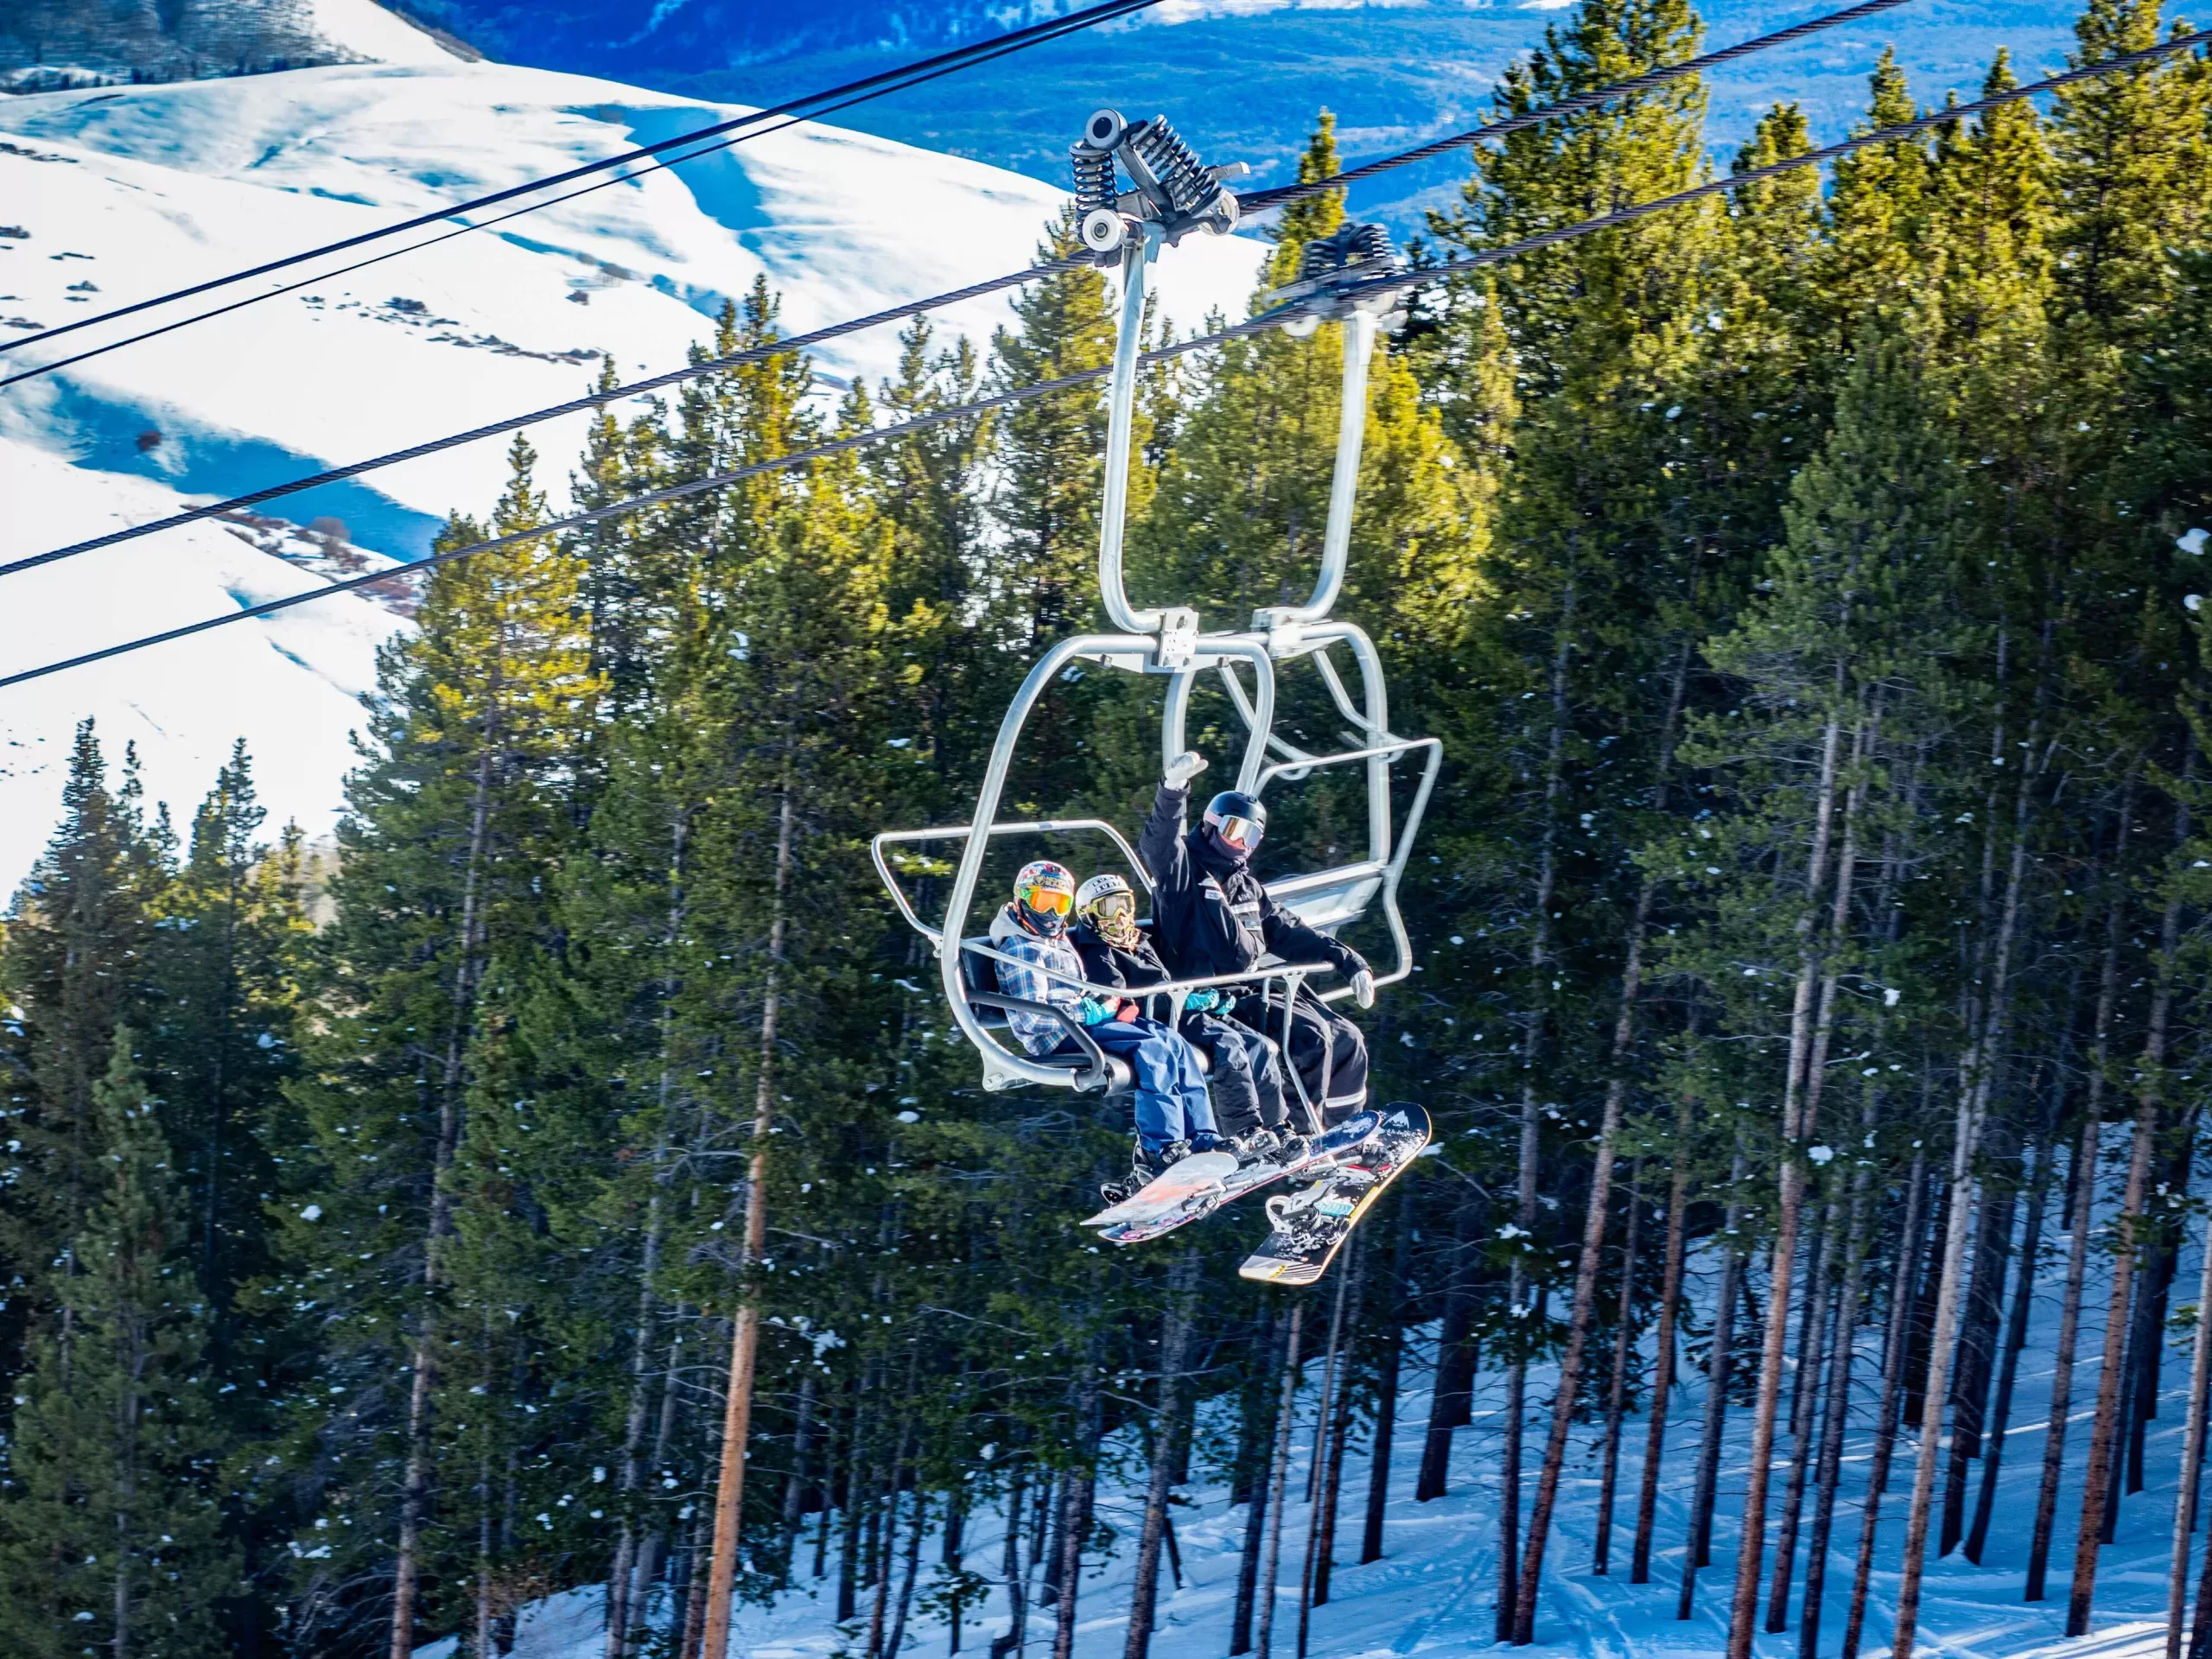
[{"x": 1049, "y": 901}]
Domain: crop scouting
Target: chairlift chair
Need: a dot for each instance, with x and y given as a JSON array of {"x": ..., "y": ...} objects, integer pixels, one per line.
[{"x": 1172, "y": 197}]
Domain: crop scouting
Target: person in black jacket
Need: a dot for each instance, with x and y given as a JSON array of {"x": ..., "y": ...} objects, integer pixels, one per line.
[
  {"x": 1247, "y": 1078},
  {"x": 1211, "y": 916}
]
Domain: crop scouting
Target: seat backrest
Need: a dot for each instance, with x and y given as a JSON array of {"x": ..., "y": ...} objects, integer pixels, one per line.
[
  {"x": 1327, "y": 899},
  {"x": 980, "y": 973}
]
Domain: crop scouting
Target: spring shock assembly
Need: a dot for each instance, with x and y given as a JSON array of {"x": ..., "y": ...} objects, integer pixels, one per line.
[{"x": 1172, "y": 190}]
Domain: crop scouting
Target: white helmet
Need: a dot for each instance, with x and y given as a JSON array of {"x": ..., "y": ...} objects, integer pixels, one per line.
[{"x": 1109, "y": 905}]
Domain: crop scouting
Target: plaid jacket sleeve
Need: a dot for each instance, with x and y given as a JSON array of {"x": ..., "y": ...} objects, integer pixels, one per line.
[{"x": 1022, "y": 979}]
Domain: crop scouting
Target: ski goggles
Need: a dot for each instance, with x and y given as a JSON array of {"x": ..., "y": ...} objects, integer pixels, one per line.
[
  {"x": 1242, "y": 834},
  {"x": 1049, "y": 901},
  {"x": 1113, "y": 907}
]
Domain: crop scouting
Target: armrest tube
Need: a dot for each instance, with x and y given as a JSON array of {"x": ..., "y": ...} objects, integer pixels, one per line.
[{"x": 1099, "y": 1075}]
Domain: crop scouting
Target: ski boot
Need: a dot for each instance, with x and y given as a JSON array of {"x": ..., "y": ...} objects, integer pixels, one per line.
[{"x": 1145, "y": 1168}]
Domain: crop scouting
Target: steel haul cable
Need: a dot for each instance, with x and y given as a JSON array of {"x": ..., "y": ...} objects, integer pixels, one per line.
[
  {"x": 1487, "y": 256},
  {"x": 915, "y": 308},
  {"x": 1283, "y": 195},
  {"x": 661, "y": 165},
  {"x": 889, "y": 79}
]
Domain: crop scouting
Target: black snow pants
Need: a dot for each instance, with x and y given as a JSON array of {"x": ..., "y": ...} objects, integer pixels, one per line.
[
  {"x": 1247, "y": 1080},
  {"x": 1328, "y": 1051}
]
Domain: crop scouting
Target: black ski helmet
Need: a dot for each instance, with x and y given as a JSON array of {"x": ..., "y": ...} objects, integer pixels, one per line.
[{"x": 1235, "y": 822}]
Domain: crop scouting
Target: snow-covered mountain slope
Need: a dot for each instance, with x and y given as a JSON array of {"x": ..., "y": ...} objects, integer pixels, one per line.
[
  {"x": 290, "y": 683},
  {"x": 117, "y": 194}
]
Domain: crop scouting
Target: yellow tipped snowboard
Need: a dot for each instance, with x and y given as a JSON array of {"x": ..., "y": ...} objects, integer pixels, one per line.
[{"x": 1311, "y": 1225}]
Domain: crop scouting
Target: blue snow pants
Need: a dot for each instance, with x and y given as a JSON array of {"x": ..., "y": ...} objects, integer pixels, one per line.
[{"x": 1170, "y": 1092}]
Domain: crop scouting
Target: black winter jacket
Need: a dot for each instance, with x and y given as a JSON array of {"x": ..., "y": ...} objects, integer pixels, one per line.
[
  {"x": 1210, "y": 914},
  {"x": 1125, "y": 969}
]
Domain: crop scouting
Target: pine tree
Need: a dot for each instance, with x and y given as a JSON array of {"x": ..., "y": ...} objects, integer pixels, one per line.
[
  {"x": 456, "y": 824},
  {"x": 112, "y": 1533},
  {"x": 229, "y": 954},
  {"x": 75, "y": 968}
]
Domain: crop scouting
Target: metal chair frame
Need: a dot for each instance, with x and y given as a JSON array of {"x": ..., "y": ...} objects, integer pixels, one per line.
[{"x": 1167, "y": 641}]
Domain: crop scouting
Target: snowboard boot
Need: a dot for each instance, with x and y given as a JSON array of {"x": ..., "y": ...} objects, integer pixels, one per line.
[
  {"x": 1253, "y": 1145},
  {"x": 1145, "y": 1168}
]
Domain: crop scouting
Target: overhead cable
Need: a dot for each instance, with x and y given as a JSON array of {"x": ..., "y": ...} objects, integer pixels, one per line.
[
  {"x": 1253, "y": 201},
  {"x": 660, "y": 165},
  {"x": 870, "y": 86},
  {"x": 915, "y": 308},
  {"x": 651, "y": 498},
  {"x": 574, "y": 406},
  {"x": 1525, "y": 246}
]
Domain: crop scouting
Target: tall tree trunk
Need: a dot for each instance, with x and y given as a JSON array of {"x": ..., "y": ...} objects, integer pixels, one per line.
[
  {"x": 745, "y": 1336},
  {"x": 1796, "y": 1129},
  {"x": 1339, "y": 1432},
  {"x": 1075, "y": 1513},
  {"x": 888, "y": 1537},
  {"x": 415, "y": 1489},
  {"x": 1699, "y": 1552},
  {"x": 1386, "y": 1392},
  {"x": 1530, "y": 1576},
  {"x": 1947, "y": 1297},
  {"x": 2148, "y": 1097},
  {"x": 1977, "y": 1079},
  {"x": 914, "y": 1530},
  {"x": 1323, "y": 1416},
  {"x": 2016, "y": 1339},
  {"x": 2192, "y": 1455},
  {"x": 794, "y": 1483},
  {"x": 1617, "y": 1394},
  {"x": 1451, "y": 1396},
  {"x": 1663, "y": 1365},
  {"x": 656, "y": 1541},
  {"x": 1896, "y": 1343},
  {"x": 1167, "y": 1429},
  {"x": 1017, "y": 1601},
  {"x": 2124, "y": 1261},
  {"x": 1257, "y": 1408},
  {"x": 2149, "y": 1335},
  {"x": 1839, "y": 1388},
  {"x": 1278, "y": 1473},
  {"x": 1509, "y": 1619},
  {"x": 1993, "y": 1253},
  {"x": 2081, "y": 1203},
  {"x": 634, "y": 1430},
  {"x": 1803, "y": 1405},
  {"x": 2015, "y": 1332}
]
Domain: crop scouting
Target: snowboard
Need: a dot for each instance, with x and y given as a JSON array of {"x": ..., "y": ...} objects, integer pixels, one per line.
[
  {"x": 1181, "y": 1180},
  {"x": 1311, "y": 1225},
  {"x": 1140, "y": 1218}
]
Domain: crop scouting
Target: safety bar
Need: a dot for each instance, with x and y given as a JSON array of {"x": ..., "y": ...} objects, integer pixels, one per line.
[
  {"x": 1306, "y": 763},
  {"x": 1396, "y": 869},
  {"x": 952, "y": 832},
  {"x": 1166, "y": 986}
]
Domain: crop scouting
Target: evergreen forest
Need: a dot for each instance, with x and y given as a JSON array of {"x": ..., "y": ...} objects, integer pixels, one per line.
[{"x": 1812, "y": 924}]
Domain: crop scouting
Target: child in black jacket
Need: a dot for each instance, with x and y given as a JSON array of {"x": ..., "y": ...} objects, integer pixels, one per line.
[{"x": 1247, "y": 1081}]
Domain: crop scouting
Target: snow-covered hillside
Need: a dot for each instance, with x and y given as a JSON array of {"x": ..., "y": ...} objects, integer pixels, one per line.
[
  {"x": 1434, "y": 1590},
  {"x": 116, "y": 194}
]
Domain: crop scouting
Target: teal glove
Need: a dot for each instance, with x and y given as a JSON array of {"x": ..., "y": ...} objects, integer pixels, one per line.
[
  {"x": 1092, "y": 1012},
  {"x": 1202, "y": 1001}
]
